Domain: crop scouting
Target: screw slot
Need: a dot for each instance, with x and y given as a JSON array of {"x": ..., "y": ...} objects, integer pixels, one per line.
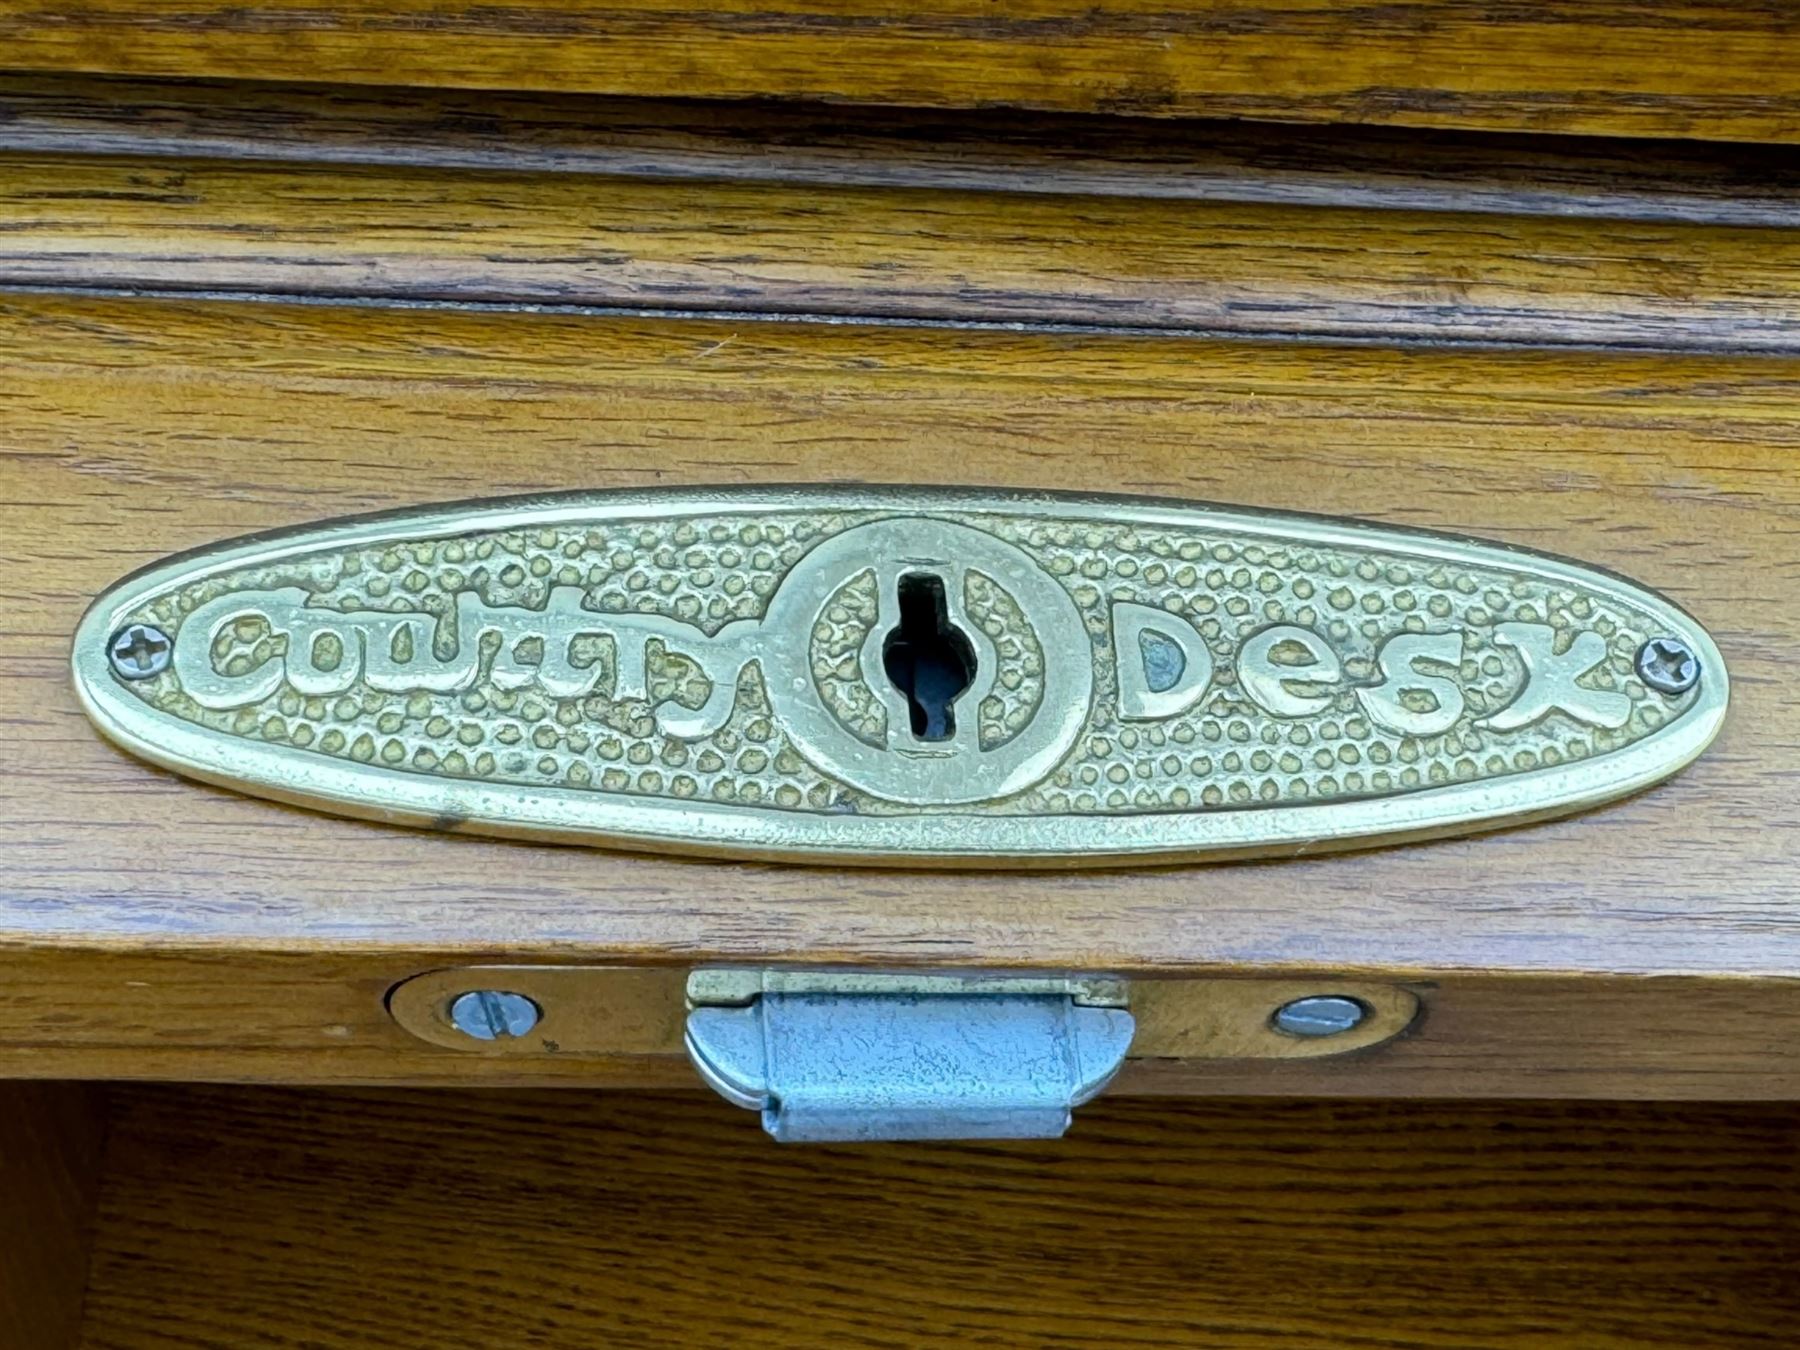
[
  {"x": 139, "y": 651},
  {"x": 1668, "y": 665},
  {"x": 1320, "y": 1015},
  {"x": 494, "y": 1015}
]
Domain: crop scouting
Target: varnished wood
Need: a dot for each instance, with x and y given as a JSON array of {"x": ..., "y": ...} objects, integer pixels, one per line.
[
  {"x": 151, "y": 928},
  {"x": 237, "y": 1219},
  {"x": 1720, "y": 69},
  {"x": 316, "y": 1014},
  {"x": 50, "y": 1142},
  {"x": 602, "y": 1011},
  {"x": 461, "y": 235},
  {"x": 155, "y": 927},
  {"x": 135, "y": 428},
  {"x": 840, "y": 146}
]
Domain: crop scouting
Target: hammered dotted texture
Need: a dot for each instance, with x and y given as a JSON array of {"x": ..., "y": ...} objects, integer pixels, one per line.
[{"x": 1224, "y": 752}]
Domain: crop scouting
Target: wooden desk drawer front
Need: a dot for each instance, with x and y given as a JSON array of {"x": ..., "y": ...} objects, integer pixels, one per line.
[
  {"x": 139, "y": 426},
  {"x": 533, "y": 249},
  {"x": 227, "y": 309}
]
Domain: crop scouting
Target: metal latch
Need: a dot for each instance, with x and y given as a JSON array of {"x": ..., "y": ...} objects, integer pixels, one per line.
[{"x": 861, "y": 1057}]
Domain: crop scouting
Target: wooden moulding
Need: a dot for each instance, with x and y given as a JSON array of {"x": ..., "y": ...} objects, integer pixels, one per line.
[
  {"x": 844, "y": 146},
  {"x": 1723, "y": 71},
  {"x": 320, "y": 1018},
  {"x": 883, "y": 253},
  {"x": 592, "y": 1010}
]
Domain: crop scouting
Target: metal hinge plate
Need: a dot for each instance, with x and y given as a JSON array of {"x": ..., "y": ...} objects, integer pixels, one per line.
[{"x": 867, "y": 1057}]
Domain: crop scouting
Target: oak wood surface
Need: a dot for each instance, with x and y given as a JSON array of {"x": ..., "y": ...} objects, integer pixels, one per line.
[
  {"x": 320, "y": 1016},
  {"x": 461, "y": 235},
  {"x": 134, "y": 428},
  {"x": 51, "y": 1136},
  {"x": 613, "y": 1010},
  {"x": 258, "y": 1220},
  {"x": 840, "y": 146},
  {"x": 1718, "y": 69}
]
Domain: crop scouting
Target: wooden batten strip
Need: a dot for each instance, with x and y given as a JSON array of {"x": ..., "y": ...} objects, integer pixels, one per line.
[
  {"x": 837, "y": 146},
  {"x": 381, "y": 233},
  {"x": 1721, "y": 70}
]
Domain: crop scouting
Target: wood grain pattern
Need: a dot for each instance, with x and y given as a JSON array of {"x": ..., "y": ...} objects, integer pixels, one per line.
[
  {"x": 50, "y": 1142},
  {"x": 838, "y": 146},
  {"x": 136, "y": 428},
  {"x": 612, "y": 1010},
  {"x": 237, "y": 1220},
  {"x": 317, "y": 1016},
  {"x": 461, "y": 235},
  {"x": 1719, "y": 69}
]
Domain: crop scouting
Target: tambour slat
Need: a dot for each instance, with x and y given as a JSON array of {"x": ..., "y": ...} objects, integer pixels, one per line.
[
  {"x": 840, "y": 146},
  {"x": 1719, "y": 69},
  {"x": 945, "y": 255}
]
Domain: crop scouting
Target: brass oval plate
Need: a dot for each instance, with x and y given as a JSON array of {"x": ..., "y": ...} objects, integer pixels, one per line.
[{"x": 898, "y": 676}]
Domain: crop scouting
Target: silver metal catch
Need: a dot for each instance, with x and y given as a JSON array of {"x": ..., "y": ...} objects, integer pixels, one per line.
[{"x": 858, "y": 1057}]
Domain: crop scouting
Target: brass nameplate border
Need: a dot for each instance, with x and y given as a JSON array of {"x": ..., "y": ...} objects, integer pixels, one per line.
[{"x": 901, "y": 676}]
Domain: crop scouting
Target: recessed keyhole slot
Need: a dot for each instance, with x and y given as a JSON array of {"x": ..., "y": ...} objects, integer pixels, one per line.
[{"x": 927, "y": 657}]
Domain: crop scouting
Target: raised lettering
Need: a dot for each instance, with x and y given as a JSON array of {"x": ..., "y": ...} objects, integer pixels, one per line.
[
  {"x": 193, "y": 664},
  {"x": 1397, "y": 702},
  {"x": 1550, "y": 680},
  {"x": 329, "y": 651},
  {"x": 386, "y": 671},
  {"x": 1162, "y": 663},
  {"x": 312, "y": 633},
  {"x": 1276, "y": 659}
]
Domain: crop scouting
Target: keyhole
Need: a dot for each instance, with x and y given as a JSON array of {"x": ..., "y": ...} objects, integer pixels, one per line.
[{"x": 928, "y": 658}]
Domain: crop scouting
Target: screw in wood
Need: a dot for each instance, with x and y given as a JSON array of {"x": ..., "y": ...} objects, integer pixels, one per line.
[{"x": 493, "y": 1014}]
